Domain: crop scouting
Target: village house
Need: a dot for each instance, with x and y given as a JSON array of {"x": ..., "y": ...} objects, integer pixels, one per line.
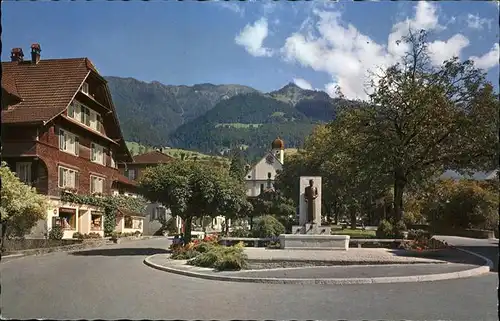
[
  {"x": 60, "y": 132},
  {"x": 133, "y": 171},
  {"x": 155, "y": 212}
]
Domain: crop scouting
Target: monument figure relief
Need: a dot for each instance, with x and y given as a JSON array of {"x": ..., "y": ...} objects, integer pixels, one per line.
[{"x": 310, "y": 195}]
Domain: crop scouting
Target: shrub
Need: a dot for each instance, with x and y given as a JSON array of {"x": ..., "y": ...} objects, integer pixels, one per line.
[
  {"x": 222, "y": 258},
  {"x": 385, "y": 229},
  {"x": 268, "y": 226},
  {"x": 183, "y": 253},
  {"x": 231, "y": 262},
  {"x": 94, "y": 235},
  {"x": 463, "y": 204},
  {"x": 398, "y": 229},
  {"x": 115, "y": 235},
  {"x": 418, "y": 234},
  {"x": 240, "y": 232},
  {"x": 204, "y": 247},
  {"x": 78, "y": 235},
  {"x": 207, "y": 259},
  {"x": 56, "y": 233}
]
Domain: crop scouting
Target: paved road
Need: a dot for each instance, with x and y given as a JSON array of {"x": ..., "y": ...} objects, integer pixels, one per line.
[
  {"x": 484, "y": 247},
  {"x": 113, "y": 283}
]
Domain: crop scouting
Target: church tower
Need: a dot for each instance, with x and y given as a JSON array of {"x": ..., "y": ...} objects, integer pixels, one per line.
[{"x": 278, "y": 149}]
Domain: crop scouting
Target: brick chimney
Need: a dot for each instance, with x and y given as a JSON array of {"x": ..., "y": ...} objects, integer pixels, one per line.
[
  {"x": 35, "y": 53},
  {"x": 16, "y": 54}
]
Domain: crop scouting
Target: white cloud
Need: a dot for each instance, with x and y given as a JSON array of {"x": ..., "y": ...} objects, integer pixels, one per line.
[
  {"x": 233, "y": 6},
  {"x": 489, "y": 59},
  {"x": 476, "y": 22},
  {"x": 302, "y": 83},
  {"x": 325, "y": 43},
  {"x": 443, "y": 50},
  {"x": 252, "y": 38}
]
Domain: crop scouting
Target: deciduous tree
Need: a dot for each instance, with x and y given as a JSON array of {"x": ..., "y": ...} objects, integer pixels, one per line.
[
  {"x": 193, "y": 189},
  {"x": 21, "y": 207},
  {"x": 423, "y": 119}
]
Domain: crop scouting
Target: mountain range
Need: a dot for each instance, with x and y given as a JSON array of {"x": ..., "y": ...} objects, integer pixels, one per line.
[{"x": 214, "y": 119}]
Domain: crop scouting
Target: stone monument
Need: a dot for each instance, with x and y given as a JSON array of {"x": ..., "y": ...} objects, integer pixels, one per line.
[{"x": 310, "y": 233}]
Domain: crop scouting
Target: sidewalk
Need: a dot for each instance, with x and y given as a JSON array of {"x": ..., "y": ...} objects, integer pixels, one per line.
[
  {"x": 379, "y": 270},
  {"x": 353, "y": 256}
]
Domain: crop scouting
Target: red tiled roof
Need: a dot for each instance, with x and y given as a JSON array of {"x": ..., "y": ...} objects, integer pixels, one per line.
[
  {"x": 46, "y": 88},
  {"x": 124, "y": 180},
  {"x": 154, "y": 157},
  {"x": 9, "y": 84}
]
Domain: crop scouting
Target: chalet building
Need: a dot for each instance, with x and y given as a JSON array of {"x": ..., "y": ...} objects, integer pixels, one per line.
[
  {"x": 261, "y": 176},
  {"x": 134, "y": 170},
  {"x": 60, "y": 132}
]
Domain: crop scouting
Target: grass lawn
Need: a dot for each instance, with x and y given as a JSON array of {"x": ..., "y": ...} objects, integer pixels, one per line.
[{"x": 355, "y": 234}]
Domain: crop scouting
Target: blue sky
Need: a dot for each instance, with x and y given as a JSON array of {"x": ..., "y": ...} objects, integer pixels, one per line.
[{"x": 260, "y": 44}]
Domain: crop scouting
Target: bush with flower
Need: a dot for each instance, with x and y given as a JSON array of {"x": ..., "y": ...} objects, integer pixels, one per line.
[
  {"x": 209, "y": 253},
  {"x": 424, "y": 242}
]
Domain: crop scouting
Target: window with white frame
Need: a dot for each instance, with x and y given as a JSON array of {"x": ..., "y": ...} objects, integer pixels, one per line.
[
  {"x": 96, "y": 184},
  {"x": 85, "y": 115},
  {"x": 67, "y": 177},
  {"x": 23, "y": 171},
  {"x": 112, "y": 159},
  {"x": 85, "y": 88},
  {"x": 68, "y": 142},
  {"x": 97, "y": 153},
  {"x": 131, "y": 174}
]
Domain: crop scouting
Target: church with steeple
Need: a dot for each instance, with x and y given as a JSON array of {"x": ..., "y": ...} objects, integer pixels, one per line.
[{"x": 262, "y": 175}]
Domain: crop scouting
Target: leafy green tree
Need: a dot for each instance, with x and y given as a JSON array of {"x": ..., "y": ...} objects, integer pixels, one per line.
[
  {"x": 21, "y": 207},
  {"x": 461, "y": 204},
  {"x": 193, "y": 190},
  {"x": 237, "y": 167},
  {"x": 423, "y": 119}
]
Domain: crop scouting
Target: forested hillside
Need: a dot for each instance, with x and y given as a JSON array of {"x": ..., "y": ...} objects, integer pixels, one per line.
[{"x": 216, "y": 118}]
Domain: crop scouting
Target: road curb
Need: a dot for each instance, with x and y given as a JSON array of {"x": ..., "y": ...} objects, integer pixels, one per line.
[
  {"x": 332, "y": 281},
  {"x": 68, "y": 248}
]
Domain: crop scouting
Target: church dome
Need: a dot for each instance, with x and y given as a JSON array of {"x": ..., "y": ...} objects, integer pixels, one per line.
[{"x": 278, "y": 144}]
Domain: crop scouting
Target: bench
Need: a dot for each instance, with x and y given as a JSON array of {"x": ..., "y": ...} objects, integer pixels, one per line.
[
  {"x": 255, "y": 240},
  {"x": 360, "y": 242}
]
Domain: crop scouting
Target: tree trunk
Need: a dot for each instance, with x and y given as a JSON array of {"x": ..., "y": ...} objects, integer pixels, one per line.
[
  {"x": 187, "y": 229},
  {"x": 399, "y": 185},
  {"x": 336, "y": 210},
  {"x": 251, "y": 223},
  {"x": 226, "y": 226},
  {"x": 352, "y": 213},
  {"x": 4, "y": 236}
]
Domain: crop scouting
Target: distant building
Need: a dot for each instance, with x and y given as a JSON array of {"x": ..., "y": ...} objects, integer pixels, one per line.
[
  {"x": 133, "y": 171},
  {"x": 60, "y": 132}
]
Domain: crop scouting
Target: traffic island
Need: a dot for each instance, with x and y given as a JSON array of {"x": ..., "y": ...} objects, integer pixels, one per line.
[{"x": 358, "y": 266}]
